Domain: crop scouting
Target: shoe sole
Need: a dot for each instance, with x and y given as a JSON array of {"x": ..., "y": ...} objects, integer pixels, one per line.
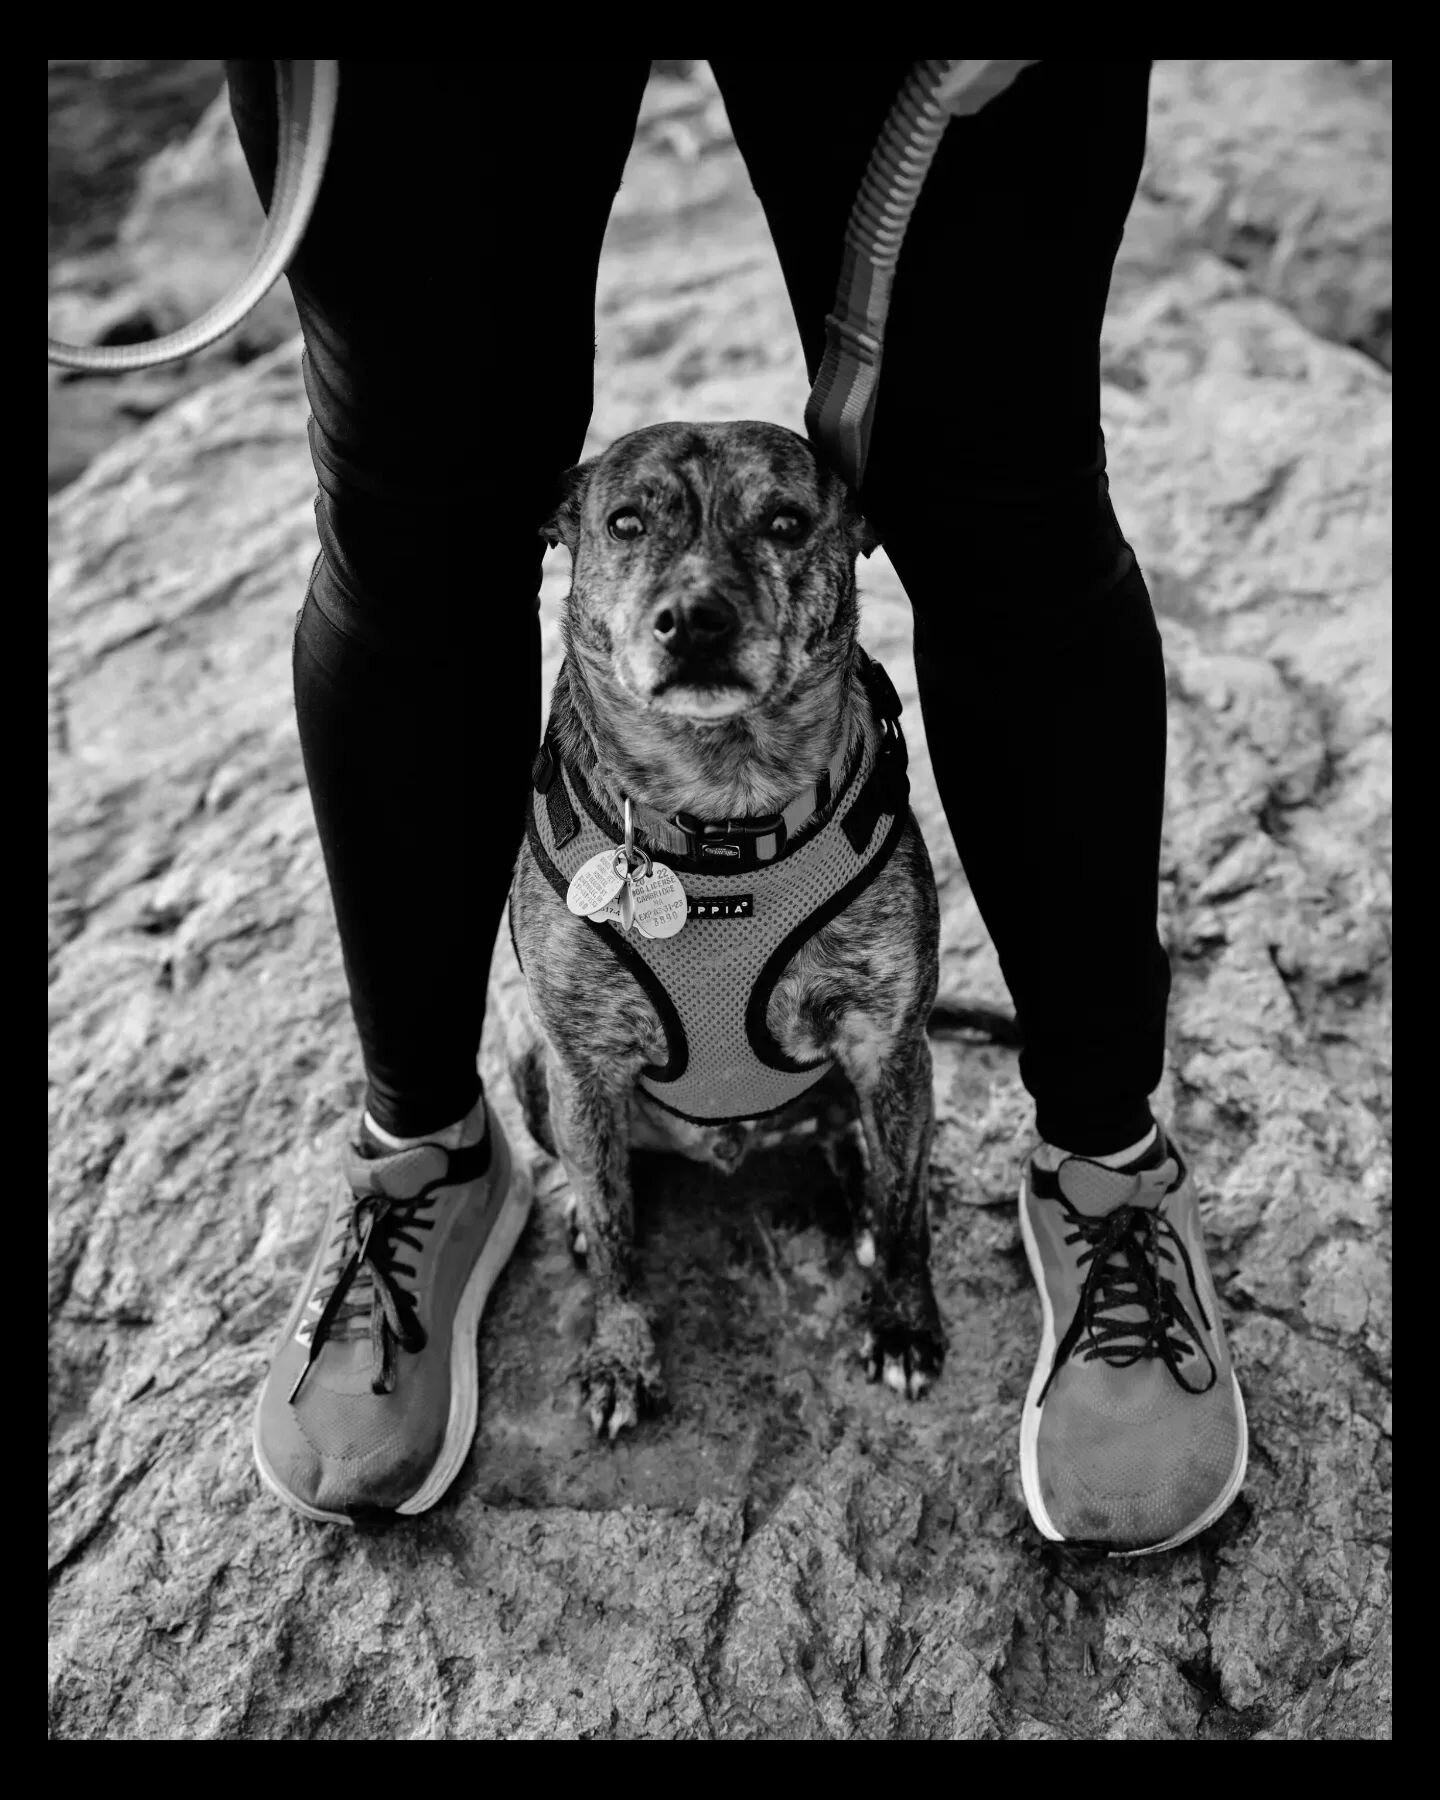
[
  {"x": 1030, "y": 1426},
  {"x": 464, "y": 1367}
]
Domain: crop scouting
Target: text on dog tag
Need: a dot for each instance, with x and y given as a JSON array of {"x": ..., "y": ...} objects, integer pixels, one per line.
[
  {"x": 596, "y": 882},
  {"x": 659, "y": 902},
  {"x": 619, "y": 911}
]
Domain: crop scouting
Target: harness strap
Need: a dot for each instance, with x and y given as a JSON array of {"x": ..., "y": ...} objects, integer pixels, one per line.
[
  {"x": 563, "y": 822},
  {"x": 887, "y": 790}
]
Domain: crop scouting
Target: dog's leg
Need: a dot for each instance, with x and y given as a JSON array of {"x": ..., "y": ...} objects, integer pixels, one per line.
[
  {"x": 532, "y": 1089},
  {"x": 842, "y": 1138},
  {"x": 620, "y": 1371},
  {"x": 904, "y": 1339},
  {"x": 527, "y": 1077}
]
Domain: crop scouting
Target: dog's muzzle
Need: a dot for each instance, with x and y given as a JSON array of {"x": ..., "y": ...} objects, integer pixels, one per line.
[{"x": 696, "y": 627}]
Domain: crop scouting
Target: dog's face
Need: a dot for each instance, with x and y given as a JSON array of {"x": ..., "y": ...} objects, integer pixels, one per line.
[{"x": 714, "y": 566}]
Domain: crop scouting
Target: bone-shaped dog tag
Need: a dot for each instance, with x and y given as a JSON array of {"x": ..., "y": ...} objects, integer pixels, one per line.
[
  {"x": 659, "y": 902},
  {"x": 619, "y": 911},
  {"x": 596, "y": 882}
]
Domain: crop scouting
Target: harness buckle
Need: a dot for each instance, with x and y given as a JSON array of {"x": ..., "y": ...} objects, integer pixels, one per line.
[{"x": 882, "y": 690}]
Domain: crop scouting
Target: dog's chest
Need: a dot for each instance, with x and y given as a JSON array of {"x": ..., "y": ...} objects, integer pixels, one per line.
[{"x": 712, "y": 982}]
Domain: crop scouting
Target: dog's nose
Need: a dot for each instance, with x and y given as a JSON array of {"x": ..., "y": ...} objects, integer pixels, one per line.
[{"x": 697, "y": 622}]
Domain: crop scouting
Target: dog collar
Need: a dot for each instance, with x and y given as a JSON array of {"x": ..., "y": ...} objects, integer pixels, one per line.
[
  {"x": 727, "y": 845},
  {"x": 740, "y": 844}
]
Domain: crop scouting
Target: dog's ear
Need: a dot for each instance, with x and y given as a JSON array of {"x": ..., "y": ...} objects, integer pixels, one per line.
[
  {"x": 563, "y": 525},
  {"x": 863, "y": 534}
]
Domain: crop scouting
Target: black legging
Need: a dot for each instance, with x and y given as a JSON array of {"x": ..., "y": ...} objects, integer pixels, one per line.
[{"x": 446, "y": 291}]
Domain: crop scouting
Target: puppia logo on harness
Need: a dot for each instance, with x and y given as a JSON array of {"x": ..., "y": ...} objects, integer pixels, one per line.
[{"x": 725, "y": 906}]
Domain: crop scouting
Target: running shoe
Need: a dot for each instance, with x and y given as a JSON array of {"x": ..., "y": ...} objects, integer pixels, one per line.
[
  {"x": 1133, "y": 1437},
  {"x": 371, "y": 1402}
]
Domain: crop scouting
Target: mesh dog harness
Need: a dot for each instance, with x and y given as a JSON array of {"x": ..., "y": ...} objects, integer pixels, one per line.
[{"x": 747, "y": 914}]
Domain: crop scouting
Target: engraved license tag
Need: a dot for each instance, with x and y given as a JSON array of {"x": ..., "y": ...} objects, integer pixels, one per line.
[
  {"x": 596, "y": 882},
  {"x": 619, "y": 911},
  {"x": 659, "y": 902}
]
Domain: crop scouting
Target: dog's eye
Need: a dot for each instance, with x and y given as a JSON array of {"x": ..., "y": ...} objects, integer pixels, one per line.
[
  {"x": 626, "y": 525},
  {"x": 787, "y": 526}
]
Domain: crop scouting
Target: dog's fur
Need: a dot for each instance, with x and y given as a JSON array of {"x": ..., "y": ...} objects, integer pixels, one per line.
[{"x": 737, "y": 733}]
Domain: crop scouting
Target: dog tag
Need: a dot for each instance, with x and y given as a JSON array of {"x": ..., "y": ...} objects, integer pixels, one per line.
[
  {"x": 620, "y": 911},
  {"x": 625, "y": 900},
  {"x": 596, "y": 882},
  {"x": 659, "y": 902}
]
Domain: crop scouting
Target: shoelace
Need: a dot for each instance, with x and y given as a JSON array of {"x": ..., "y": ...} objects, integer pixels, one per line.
[
  {"x": 378, "y": 1223},
  {"x": 1126, "y": 1250}
]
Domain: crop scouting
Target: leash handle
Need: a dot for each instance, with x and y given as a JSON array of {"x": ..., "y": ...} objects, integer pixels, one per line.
[
  {"x": 307, "y": 93},
  {"x": 841, "y": 409}
]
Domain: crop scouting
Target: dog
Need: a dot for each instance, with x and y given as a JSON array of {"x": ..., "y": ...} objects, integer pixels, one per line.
[{"x": 723, "y": 895}]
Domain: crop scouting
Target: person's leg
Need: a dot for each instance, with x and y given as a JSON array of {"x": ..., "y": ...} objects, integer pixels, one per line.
[
  {"x": 1043, "y": 691},
  {"x": 446, "y": 292},
  {"x": 1036, "y": 651}
]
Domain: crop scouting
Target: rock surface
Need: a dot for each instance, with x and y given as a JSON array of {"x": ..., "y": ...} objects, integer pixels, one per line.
[
  {"x": 785, "y": 1552},
  {"x": 185, "y": 227}
]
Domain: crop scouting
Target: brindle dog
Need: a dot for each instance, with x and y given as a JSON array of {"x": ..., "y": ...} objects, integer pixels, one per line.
[{"x": 711, "y": 667}]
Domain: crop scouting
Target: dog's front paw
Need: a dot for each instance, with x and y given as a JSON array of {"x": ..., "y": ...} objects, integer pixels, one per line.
[
  {"x": 904, "y": 1341},
  {"x": 620, "y": 1373}
]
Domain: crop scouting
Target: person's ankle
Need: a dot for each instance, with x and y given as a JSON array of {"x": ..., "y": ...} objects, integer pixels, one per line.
[
  {"x": 460, "y": 1135},
  {"x": 1050, "y": 1156}
]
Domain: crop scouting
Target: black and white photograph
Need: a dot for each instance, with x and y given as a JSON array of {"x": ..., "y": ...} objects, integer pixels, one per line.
[{"x": 720, "y": 903}]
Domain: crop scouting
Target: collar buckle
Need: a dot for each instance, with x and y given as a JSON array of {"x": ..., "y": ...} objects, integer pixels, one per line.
[{"x": 734, "y": 842}]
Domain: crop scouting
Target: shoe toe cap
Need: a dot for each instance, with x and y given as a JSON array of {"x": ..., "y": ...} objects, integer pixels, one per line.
[
  {"x": 1138, "y": 1487},
  {"x": 344, "y": 1460}
]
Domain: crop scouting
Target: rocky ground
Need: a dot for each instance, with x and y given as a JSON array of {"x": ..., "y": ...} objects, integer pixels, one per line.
[{"x": 786, "y": 1552}]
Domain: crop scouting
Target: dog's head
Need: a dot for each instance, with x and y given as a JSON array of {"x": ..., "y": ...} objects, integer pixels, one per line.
[{"x": 714, "y": 566}]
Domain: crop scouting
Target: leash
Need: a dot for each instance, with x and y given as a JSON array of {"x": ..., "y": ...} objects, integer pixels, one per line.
[
  {"x": 306, "y": 93},
  {"x": 841, "y": 409}
]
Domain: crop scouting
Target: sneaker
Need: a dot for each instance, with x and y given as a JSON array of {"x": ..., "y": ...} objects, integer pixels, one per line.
[
  {"x": 1133, "y": 1437},
  {"x": 371, "y": 1403}
]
